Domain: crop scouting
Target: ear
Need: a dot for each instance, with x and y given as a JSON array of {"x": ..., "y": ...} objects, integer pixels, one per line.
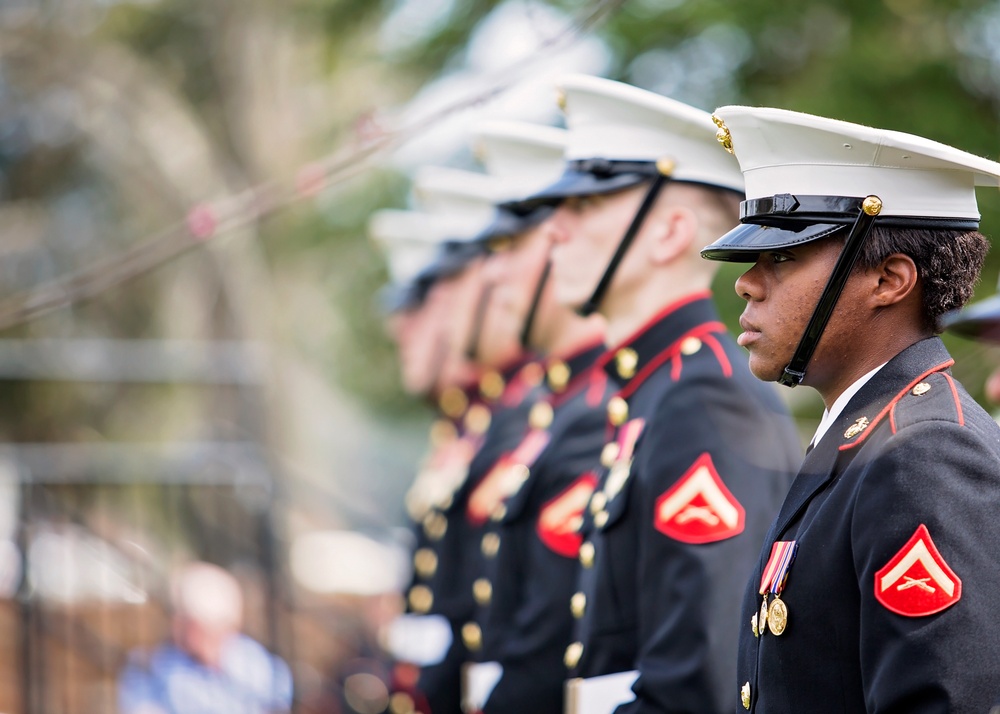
[
  {"x": 674, "y": 230},
  {"x": 897, "y": 279}
]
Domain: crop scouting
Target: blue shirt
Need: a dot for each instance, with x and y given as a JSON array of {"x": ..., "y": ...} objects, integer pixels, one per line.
[{"x": 249, "y": 681}]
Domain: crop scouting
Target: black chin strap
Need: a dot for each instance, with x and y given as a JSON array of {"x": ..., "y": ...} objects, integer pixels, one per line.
[
  {"x": 590, "y": 307},
  {"x": 529, "y": 319},
  {"x": 472, "y": 348},
  {"x": 795, "y": 372}
]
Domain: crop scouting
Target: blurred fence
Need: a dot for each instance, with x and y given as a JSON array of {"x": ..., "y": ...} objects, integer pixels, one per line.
[{"x": 90, "y": 531}]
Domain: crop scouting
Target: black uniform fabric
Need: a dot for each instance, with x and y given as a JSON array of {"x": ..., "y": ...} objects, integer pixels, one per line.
[
  {"x": 660, "y": 604},
  {"x": 457, "y": 545},
  {"x": 929, "y": 456},
  {"x": 527, "y": 623}
]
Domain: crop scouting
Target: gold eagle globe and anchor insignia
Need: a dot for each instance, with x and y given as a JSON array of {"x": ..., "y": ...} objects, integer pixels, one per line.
[
  {"x": 856, "y": 428},
  {"x": 722, "y": 135}
]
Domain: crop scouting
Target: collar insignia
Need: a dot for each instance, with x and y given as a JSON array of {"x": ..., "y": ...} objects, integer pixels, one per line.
[{"x": 856, "y": 428}]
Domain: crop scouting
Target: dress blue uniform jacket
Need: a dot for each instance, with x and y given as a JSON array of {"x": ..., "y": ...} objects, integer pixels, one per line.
[
  {"x": 670, "y": 543},
  {"x": 911, "y": 455},
  {"x": 532, "y": 565},
  {"x": 457, "y": 547}
]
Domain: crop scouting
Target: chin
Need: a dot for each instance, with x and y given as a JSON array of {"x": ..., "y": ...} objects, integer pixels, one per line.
[{"x": 764, "y": 370}]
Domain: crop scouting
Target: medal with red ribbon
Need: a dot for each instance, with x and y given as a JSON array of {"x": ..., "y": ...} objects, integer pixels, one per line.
[{"x": 774, "y": 616}]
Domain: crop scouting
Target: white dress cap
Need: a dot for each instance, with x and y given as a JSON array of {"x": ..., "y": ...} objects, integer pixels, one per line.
[
  {"x": 618, "y": 122},
  {"x": 410, "y": 240},
  {"x": 785, "y": 152},
  {"x": 524, "y": 157},
  {"x": 465, "y": 195}
]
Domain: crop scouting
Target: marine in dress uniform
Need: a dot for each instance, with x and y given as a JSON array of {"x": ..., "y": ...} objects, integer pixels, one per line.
[
  {"x": 877, "y": 585},
  {"x": 449, "y": 289},
  {"x": 506, "y": 385},
  {"x": 700, "y": 453},
  {"x": 535, "y": 495}
]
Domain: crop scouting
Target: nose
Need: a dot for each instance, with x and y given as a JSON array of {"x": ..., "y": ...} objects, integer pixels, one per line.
[
  {"x": 558, "y": 225},
  {"x": 748, "y": 285}
]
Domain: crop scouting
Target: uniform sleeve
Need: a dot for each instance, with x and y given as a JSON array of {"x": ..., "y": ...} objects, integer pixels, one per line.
[
  {"x": 925, "y": 534},
  {"x": 712, "y": 473}
]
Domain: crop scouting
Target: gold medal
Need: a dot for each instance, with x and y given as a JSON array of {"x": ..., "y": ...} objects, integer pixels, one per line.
[
  {"x": 762, "y": 619},
  {"x": 777, "y": 616}
]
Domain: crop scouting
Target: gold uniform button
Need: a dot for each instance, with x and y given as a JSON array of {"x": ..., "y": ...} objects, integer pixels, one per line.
[
  {"x": 558, "y": 375},
  {"x": 745, "y": 695},
  {"x": 453, "y": 402},
  {"x": 601, "y": 519},
  {"x": 401, "y": 703},
  {"x": 597, "y": 502},
  {"x": 626, "y": 360},
  {"x": 482, "y": 590},
  {"x": 573, "y": 654},
  {"x": 690, "y": 345},
  {"x": 587, "y": 552},
  {"x": 472, "y": 636},
  {"x": 519, "y": 473},
  {"x": 540, "y": 416},
  {"x": 578, "y": 605},
  {"x": 420, "y": 598},
  {"x": 425, "y": 562},
  {"x": 617, "y": 411},
  {"x": 499, "y": 513},
  {"x": 609, "y": 453},
  {"x": 920, "y": 388},
  {"x": 435, "y": 525},
  {"x": 477, "y": 419},
  {"x": 490, "y": 545},
  {"x": 491, "y": 385},
  {"x": 442, "y": 432}
]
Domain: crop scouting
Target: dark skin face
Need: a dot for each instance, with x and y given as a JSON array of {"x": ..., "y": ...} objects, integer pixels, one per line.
[{"x": 877, "y": 316}]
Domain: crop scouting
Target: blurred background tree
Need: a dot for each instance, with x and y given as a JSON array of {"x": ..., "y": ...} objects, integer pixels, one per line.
[{"x": 118, "y": 116}]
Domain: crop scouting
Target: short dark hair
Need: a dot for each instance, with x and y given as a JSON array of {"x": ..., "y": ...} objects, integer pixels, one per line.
[{"x": 948, "y": 262}]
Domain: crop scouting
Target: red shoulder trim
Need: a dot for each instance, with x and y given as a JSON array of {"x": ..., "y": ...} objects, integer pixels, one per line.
[
  {"x": 672, "y": 307},
  {"x": 892, "y": 403},
  {"x": 958, "y": 404},
  {"x": 701, "y": 332},
  {"x": 720, "y": 354}
]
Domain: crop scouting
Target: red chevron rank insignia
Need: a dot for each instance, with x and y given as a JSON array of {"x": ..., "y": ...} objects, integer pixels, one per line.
[
  {"x": 560, "y": 520},
  {"x": 699, "y": 508},
  {"x": 917, "y": 581}
]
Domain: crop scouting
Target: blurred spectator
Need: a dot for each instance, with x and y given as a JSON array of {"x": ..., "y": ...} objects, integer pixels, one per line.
[{"x": 209, "y": 667}]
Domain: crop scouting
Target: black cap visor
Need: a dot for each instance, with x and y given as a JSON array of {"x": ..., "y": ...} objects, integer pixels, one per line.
[
  {"x": 980, "y": 321},
  {"x": 510, "y": 220},
  {"x": 747, "y": 241},
  {"x": 592, "y": 177},
  {"x": 451, "y": 259}
]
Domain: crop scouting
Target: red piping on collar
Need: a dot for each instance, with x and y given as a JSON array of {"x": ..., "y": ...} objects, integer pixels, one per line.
[
  {"x": 673, "y": 350},
  {"x": 651, "y": 322},
  {"x": 888, "y": 407}
]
